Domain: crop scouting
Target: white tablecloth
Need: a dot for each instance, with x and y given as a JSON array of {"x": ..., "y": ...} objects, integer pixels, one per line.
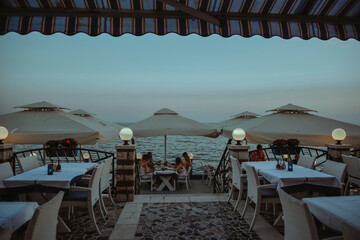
[
  {"x": 15, "y": 214},
  {"x": 39, "y": 176},
  {"x": 299, "y": 175},
  {"x": 332, "y": 211}
]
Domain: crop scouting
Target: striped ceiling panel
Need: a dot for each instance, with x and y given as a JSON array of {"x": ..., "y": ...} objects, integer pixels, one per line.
[{"x": 306, "y": 19}]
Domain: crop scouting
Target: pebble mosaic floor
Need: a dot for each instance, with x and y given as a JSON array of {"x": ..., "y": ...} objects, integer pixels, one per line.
[{"x": 211, "y": 220}]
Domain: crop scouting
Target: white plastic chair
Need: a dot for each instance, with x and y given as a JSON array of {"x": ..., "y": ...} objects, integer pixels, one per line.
[
  {"x": 86, "y": 197},
  {"x": 211, "y": 174},
  {"x": 44, "y": 221},
  {"x": 258, "y": 193},
  {"x": 335, "y": 169},
  {"x": 353, "y": 171},
  {"x": 299, "y": 222},
  {"x": 204, "y": 171},
  {"x": 28, "y": 163},
  {"x": 306, "y": 161},
  {"x": 184, "y": 178},
  {"x": 238, "y": 180},
  {"x": 5, "y": 170},
  {"x": 349, "y": 232},
  {"x": 105, "y": 182},
  {"x": 146, "y": 177}
]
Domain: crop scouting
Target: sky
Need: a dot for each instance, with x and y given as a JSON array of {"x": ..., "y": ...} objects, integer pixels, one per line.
[{"x": 209, "y": 79}]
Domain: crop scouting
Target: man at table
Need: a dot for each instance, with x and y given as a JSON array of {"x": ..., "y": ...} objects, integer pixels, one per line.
[
  {"x": 258, "y": 155},
  {"x": 179, "y": 166},
  {"x": 151, "y": 163},
  {"x": 145, "y": 166}
]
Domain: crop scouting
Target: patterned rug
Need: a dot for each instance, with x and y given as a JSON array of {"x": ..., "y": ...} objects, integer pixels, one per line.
[{"x": 213, "y": 220}]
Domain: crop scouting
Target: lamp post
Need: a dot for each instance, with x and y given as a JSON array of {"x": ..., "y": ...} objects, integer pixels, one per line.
[
  {"x": 6, "y": 152},
  {"x": 126, "y": 135},
  {"x": 3, "y": 134},
  {"x": 238, "y": 135},
  {"x": 336, "y": 150},
  {"x": 338, "y": 135}
]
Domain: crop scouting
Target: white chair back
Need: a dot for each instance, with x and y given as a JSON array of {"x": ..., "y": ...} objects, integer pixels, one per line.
[
  {"x": 353, "y": 165},
  {"x": 253, "y": 182},
  {"x": 336, "y": 169},
  {"x": 28, "y": 163},
  {"x": 95, "y": 183},
  {"x": 106, "y": 175},
  {"x": 306, "y": 161},
  {"x": 44, "y": 221},
  {"x": 236, "y": 172},
  {"x": 5, "y": 170},
  {"x": 299, "y": 223}
]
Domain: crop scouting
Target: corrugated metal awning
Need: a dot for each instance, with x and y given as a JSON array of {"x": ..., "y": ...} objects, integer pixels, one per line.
[{"x": 322, "y": 19}]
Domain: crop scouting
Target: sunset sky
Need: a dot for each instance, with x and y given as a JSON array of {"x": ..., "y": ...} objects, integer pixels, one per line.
[{"x": 127, "y": 78}]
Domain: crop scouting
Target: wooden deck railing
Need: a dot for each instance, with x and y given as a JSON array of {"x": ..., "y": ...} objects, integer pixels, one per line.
[{"x": 53, "y": 155}]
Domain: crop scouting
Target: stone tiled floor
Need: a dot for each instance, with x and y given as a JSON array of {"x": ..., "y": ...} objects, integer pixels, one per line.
[{"x": 211, "y": 220}]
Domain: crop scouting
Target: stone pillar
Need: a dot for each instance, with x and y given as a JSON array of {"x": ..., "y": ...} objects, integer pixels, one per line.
[
  {"x": 241, "y": 153},
  {"x": 6, "y": 152},
  {"x": 125, "y": 173},
  {"x": 335, "y": 151}
]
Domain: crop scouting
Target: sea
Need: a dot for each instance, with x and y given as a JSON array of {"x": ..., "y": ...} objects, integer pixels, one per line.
[{"x": 208, "y": 150}]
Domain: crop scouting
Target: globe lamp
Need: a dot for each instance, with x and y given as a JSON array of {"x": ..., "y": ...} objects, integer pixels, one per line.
[
  {"x": 126, "y": 135},
  {"x": 238, "y": 135}
]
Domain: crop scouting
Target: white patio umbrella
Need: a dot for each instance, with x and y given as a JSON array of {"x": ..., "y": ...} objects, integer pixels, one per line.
[
  {"x": 107, "y": 130},
  {"x": 45, "y": 121},
  {"x": 236, "y": 120},
  {"x": 291, "y": 121},
  {"x": 167, "y": 122}
]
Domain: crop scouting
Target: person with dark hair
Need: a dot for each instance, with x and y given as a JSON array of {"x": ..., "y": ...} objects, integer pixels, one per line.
[
  {"x": 187, "y": 160},
  {"x": 258, "y": 155},
  {"x": 151, "y": 161},
  {"x": 179, "y": 166},
  {"x": 144, "y": 164}
]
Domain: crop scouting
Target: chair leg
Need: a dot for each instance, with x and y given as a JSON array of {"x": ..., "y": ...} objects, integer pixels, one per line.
[
  {"x": 347, "y": 188},
  {"x": 230, "y": 194},
  {"x": 238, "y": 200},
  {"x": 110, "y": 196},
  {"x": 92, "y": 218},
  {"x": 203, "y": 176},
  {"x": 256, "y": 212},
  {"x": 187, "y": 186},
  {"x": 101, "y": 209},
  {"x": 102, "y": 204},
  {"x": 245, "y": 207},
  {"x": 274, "y": 210}
]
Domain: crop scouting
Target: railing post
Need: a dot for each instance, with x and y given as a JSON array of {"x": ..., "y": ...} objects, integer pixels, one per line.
[
  {"x": 335, "y": 151},
  {"x": 241, "y": 153},
  {"x": 6, "y": 152},
  {"x": 125, "y": 173}
]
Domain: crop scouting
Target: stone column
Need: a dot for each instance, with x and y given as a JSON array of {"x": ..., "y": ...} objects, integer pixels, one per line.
[
  {"x": 335, "y": 151},
  {"x": 6, "y": 152},
  {"x": 125, "y": 173},
  {"x": 241, "y": 153}
]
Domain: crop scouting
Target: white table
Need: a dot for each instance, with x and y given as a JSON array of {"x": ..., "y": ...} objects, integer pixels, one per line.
[
  {"x": 165, "y": 176},
  {"x": 299, "y": 175},
  {"x": 332, "y": 211},
  {"x": 39, "y": 176},
  {"x": 15, "y": 214}
]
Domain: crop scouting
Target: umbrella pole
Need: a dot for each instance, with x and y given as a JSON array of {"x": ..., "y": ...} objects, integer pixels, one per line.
[{"x": 165, "y": 147}]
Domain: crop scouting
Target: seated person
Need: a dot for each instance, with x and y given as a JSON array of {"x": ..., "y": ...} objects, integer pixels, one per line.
[
  {"x": 187, "y": 159},
  {"x": 151, "y": 162},
  {"x": 179, "y": 166},
  {"x": 258, "y": 155},
  {"x": 144, "y": 165}
]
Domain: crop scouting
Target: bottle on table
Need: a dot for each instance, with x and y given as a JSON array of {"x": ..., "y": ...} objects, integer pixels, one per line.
[{"x": 58, "y": 167}]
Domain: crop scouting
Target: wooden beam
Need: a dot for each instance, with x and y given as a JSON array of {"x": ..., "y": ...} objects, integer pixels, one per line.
[
  {"x": 173, "y": 15},
  {"x": 193, "y": 12}
]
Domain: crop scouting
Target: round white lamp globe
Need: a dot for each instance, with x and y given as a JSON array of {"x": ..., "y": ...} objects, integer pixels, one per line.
[
  {"x": 338, "y": 135},
  {"x": 33, "y": 154},
  {"x": 138, "y": 155},
  {"x": 126, "y": 135},
  {"x": 238, "y": 135},
  {"x": 3, "y": 133},
  {"x": 191, "y": 156}
]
